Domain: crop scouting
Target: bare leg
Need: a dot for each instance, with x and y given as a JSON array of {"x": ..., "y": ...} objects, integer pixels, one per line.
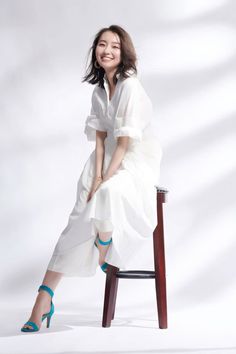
[
  {"x": 43, "y": 301},
  {"x": 104, "y": 236},
  {"x": 51, "y": 279}
]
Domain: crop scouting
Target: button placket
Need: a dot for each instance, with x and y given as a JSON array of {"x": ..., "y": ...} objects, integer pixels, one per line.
[
  {"x": 107, "y": 98},
  {"x": 107, "y": 91}
]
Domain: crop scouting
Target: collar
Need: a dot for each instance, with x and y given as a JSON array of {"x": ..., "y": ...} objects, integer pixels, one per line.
[{"x": 118, "y": 76}]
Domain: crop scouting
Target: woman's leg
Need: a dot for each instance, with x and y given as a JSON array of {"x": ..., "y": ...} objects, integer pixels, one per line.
[
  {"x": 51, "y": 279},
  {"x": 104, "y": 236},
  {"x": 104, "y": 229},
  {"x": 43, "y": 301}
]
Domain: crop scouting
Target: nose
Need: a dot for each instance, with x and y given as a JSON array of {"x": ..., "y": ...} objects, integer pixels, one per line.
[{"x": 107, "y": 49}]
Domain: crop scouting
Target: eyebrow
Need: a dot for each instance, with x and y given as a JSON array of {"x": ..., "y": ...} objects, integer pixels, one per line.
[{"x": 103, "y": 40}]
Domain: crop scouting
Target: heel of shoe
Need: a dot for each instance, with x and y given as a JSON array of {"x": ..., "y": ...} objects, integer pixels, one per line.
[
  {"x": 48, "y": 321},
  {"x": 48, "y": 315}
]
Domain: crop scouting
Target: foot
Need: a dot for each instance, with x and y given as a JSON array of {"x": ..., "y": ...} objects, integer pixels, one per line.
[
  {"x": 102, "y": 249},
  {"x": 42, "y": 305}
]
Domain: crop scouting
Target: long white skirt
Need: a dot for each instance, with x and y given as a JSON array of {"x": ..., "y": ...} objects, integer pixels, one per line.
[{"x": 125, "y": 204}]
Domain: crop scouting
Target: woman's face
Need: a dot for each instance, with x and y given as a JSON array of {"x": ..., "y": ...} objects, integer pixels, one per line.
[{"x": 108, "y": 51}]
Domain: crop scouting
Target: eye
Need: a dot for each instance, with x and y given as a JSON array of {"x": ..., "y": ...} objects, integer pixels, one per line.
[
  {"x": 115, "y": 46},
  {"x": 101, "y": 44}
]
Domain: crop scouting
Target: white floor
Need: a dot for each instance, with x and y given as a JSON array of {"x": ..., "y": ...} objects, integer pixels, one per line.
[{"x": 76, "y": 325}]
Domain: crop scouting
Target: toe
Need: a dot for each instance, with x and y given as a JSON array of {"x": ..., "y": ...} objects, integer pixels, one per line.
[{"x": 27, "y": 327}]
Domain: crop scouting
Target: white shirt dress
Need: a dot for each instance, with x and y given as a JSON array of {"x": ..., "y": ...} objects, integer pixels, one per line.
[{"x": 125, "y": 204}]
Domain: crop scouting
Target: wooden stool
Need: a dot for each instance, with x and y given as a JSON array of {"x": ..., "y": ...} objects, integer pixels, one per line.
[{"x": 113, "y": 273}]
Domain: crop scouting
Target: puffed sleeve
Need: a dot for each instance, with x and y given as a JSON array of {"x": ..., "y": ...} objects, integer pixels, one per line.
[
  {"x": 134, "y": 110},
  {"x": 93, "y": 121}
]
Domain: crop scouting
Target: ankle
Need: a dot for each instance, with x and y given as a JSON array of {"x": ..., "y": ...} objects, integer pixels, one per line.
[
  {"x": 105, "y": 236},
  {"x": 43, "y": 298},
  {"x": 101, "y": 261}
]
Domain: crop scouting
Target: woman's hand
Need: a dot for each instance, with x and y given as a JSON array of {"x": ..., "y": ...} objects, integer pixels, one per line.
[{"x": 96, "y": 183}]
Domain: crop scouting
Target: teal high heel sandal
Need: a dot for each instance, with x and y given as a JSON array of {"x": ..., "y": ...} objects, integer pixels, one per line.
[
  {"x": 48, "y": 315},
  {"x": 103, "y": 243}
]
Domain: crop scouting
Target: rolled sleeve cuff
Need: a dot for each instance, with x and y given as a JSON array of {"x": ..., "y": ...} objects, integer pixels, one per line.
[
  {"x": 92, "y": 124},
  {"x": 132, "y": 132}
]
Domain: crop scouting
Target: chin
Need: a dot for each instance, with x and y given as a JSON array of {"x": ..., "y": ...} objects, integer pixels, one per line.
[{"x": 109, "y": 68}]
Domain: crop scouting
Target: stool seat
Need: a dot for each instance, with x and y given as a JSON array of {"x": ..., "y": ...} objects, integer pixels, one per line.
[
  {"x": 114, "y": 274},
  {"x": 161, "y": 189}
]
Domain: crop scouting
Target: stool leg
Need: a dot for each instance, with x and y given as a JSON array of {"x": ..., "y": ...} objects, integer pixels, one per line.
[
  {"x": 159, "y": 260},
  {"x": 115, "y": 296},
  {"x": 110, "y": 295}
]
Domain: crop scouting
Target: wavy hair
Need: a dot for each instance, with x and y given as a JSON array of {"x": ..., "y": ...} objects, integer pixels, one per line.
[{"x": 95, "y": 75}]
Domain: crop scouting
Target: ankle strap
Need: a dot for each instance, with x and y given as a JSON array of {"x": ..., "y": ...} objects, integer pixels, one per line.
[
  {"x": 104, "y": 242},
  {"x": 47, "y": 289}
]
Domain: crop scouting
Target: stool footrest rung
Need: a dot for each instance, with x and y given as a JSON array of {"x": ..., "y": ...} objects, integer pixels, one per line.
[{"x": 136, "y": 274}]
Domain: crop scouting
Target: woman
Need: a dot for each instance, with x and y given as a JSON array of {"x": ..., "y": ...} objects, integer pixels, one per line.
[{"x": 116, "y": 201}]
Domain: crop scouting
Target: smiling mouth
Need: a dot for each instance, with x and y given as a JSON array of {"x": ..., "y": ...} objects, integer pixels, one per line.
[{"x": 106, "y": 58}]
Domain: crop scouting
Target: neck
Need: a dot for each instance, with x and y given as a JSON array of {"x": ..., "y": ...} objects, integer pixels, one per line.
[{"x": 109, "y": 76}]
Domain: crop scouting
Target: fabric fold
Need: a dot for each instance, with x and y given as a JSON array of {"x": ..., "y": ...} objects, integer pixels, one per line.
[
  {"x": 132, "y": 132},
  {"x": 92, "y": 124}
]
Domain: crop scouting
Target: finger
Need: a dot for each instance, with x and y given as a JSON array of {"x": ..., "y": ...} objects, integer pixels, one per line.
[
  {"x": 97, "y": 186},
  {"x": 89, "y": 196}
]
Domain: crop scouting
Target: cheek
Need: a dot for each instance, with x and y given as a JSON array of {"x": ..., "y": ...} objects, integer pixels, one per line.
[
  {"x": 97, "y": 51},
  {"x": 118, "y": 56}
]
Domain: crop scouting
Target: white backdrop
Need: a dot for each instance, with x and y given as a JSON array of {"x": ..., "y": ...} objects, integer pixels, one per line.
[{"x": 186, "y": 60}]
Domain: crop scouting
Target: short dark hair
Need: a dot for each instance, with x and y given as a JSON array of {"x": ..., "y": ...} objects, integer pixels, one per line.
[{"x": 95, "y": 75}]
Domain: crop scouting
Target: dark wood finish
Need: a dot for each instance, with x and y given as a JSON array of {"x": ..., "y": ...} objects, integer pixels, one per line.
[
  {"x": 159, "y": 273},
  {"x": 136, "y": 274},
  {"x": 110, "y": 296},
  {"x": 159, "y": 263},
  {"x": 115, "y": 296}
]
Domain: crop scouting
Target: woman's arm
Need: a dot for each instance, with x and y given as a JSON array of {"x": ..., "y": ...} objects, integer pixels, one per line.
[
  {"x": 117, "y": 157},
  {"x": 99, "y": 158},
  {"x": 99, "y": 153}
]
